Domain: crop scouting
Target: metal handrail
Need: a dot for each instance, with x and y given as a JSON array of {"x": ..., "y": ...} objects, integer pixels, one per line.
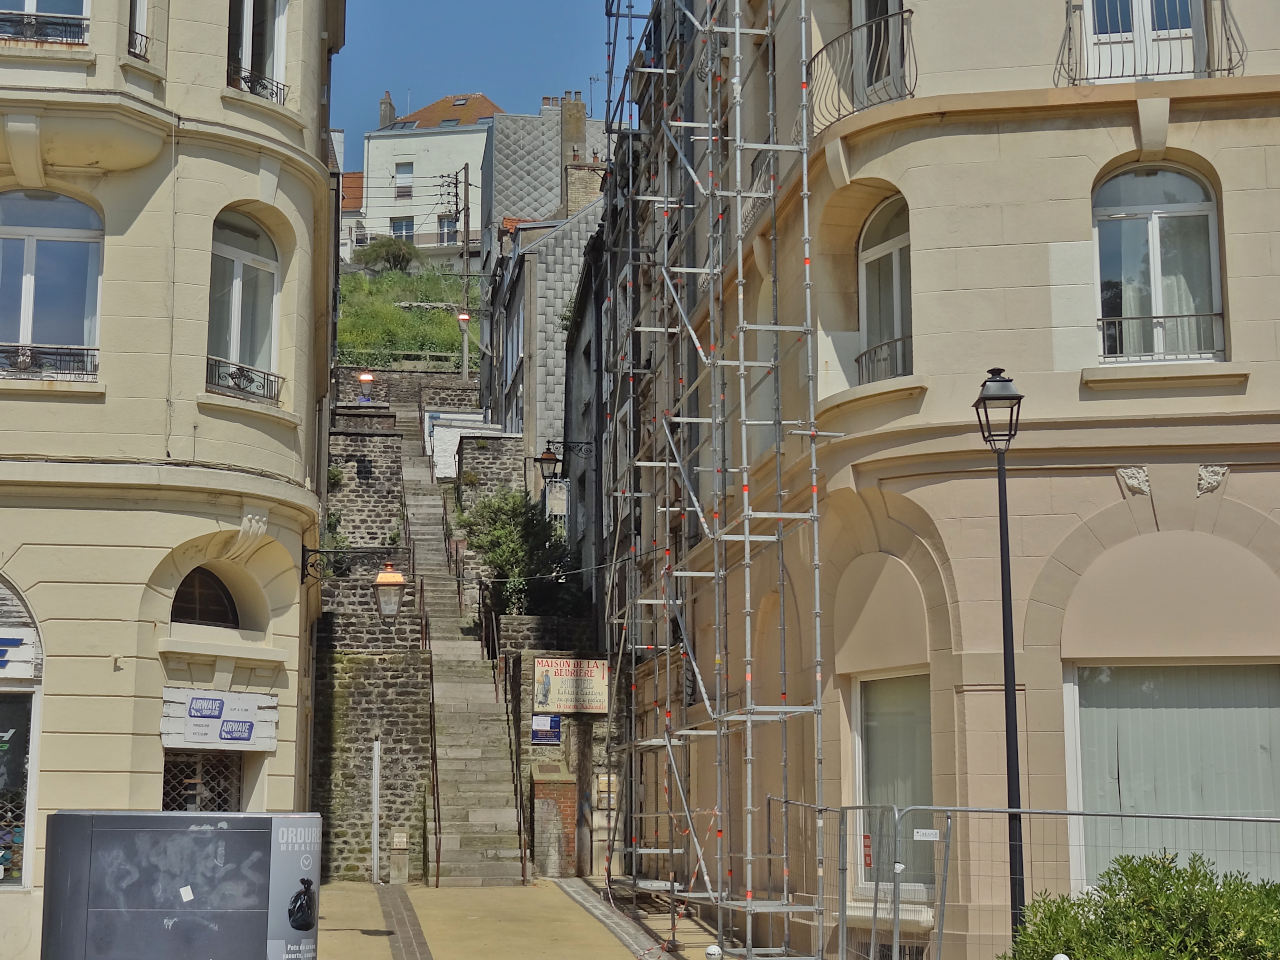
[
  {"x": 258, "y": 84},
  {"x": 1212, "y": 45},
  {"x": 138, "y": 44},
  {"x": 241, "y": 379},
  {"x": 33, "y": 361},
  {"x": 431, "y": 711},
  {"x": 501, "y": 681},
  {"x": 871, "y": 64},
  {"x": 884, "y": 361},
  {"x": 45, "y": 27}
]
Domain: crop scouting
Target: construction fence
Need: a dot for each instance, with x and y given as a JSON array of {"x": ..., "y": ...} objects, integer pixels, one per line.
[{"x": 928, "y": 883}]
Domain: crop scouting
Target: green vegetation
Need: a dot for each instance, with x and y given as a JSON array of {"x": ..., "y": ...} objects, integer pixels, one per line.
[
  {"x": 374, "y": 332},
  {"x": 1150, "y": 908},
  {"x": 527, "y": 552},
  {"x": 389, "y": 253}
]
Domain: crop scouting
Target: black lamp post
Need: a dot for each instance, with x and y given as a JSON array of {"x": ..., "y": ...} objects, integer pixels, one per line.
[{"x": 998, "y": 406}]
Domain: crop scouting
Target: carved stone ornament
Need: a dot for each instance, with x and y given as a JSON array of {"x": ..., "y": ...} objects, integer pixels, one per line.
[
  {"x": 1211, "y": 477},
  {"x": 253, "y": 531},
  {"x": 1135, "y": 480}
]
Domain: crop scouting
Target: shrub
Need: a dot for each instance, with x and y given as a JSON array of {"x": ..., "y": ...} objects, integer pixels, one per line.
[
  {"x": 527, "y": 552},
  {"x": 389, "y": 252},
  {"x": 1149, "y": 907}
]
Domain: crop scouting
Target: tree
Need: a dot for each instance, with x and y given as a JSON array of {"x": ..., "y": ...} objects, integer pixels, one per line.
[{"x": 390, "y": 253}]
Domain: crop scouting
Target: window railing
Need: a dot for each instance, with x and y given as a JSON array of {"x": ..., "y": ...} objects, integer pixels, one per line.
[
  {"x": 45, "y": 27},
  {"x": 1158, "y": 38},
  {"x": 24, "y": 361},
  {"x": 242, "y": 381},
  {"x": 885, "y": 361},
  {"x": 1196, "y": 336},
  {"x": 138, "y": 45},
  {"x": 258, "y": 84},
  {"x": 873, "y": 63}
]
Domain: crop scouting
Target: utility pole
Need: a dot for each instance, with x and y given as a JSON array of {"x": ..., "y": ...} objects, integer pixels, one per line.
[{"x": 466, "y": 269}]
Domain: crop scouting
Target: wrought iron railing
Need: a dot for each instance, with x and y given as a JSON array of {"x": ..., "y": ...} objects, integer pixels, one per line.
[
  {"x": 259, "y": 84},
  {"x": 1157, "y": 38},
  {"x": 25, "y": 361},
  {"x": 873, "y": 63},
  {"x": 885, "y": 361},
  {"x": 236, "y": 378},
  {"x": 1197, "y": 336},
  {"x": 138, "y": 45},
  {"x": 44, "y": 26}
]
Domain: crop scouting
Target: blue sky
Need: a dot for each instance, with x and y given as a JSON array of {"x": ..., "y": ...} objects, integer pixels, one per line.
[{"x": 514, "y": 51}]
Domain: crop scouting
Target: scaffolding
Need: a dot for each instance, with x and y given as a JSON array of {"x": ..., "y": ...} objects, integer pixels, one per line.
[{"x": 710, "y": 471}]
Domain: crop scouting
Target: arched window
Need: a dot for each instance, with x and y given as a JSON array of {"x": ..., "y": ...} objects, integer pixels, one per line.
[
  {"x": 1159, "y": 294},
  {"x": 884, "y": 285},
  {"x": 204, "y": 599},
  {"x": 243, "y": 290},
  {"x": 50, "y": 267}
]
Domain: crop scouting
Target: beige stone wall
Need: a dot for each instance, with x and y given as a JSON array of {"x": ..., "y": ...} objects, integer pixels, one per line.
[{"x": 112, "y": 490}]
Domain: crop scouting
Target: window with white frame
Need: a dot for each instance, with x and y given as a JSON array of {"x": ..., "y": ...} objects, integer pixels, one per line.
[
  {"x": 895, "y": 768},
  {"x": 446, "y": 228},
  {"x": 55, "y": 21},
  {"x": 404, "y": 181},
  {"x": 256, "y": 47},
  {"x": 138, "y": 40},
  {"x": 1177, "y": 740},
  {"x": 243, "y": 295},
  {"x": 1159, "y": 295},
  {"x": 884, "y": 293},
  {"x": 50, "y": 272},
  {"x": 402, "y": 228}
]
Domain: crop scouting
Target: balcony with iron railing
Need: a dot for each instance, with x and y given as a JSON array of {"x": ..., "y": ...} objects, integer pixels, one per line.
[
  {"x": 884, "y": 361},
  {"x": 841, "y": 367},
  {"x": 258, "y": 84},
  {"x": 1105, "y": 42},
  {"x": 139, "y": 45},
  {"x": 873, "y": 63},
  {"x": 239, "y": 380},
  {"x": 44, "y": 27},
  {"x": 26, "y": 361},
  {"x": 1199, "y": 336}
]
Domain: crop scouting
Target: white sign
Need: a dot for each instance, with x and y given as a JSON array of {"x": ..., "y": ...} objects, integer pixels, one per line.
[
  {"x": 562, "y": 685},
  {"x": 17, "y": 653},
  {"x": 219, "y": 719},
  {"x": 922, "y": 834}
]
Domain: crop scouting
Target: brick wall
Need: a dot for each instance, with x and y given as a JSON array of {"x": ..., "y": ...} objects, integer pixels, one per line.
[
  {"x": 555, "y": 830},
  {"x": 439, "y": 391},
  {"x": 368, "y": 497},
  {"x": 489, "y": 464}
]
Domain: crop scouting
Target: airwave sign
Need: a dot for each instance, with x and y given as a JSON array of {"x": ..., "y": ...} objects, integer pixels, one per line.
[
  {"x": 218, "y": 720},
  {"x": 17, "y": 653}
]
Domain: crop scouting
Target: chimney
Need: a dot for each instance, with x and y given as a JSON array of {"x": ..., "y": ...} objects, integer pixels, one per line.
[
  {"x": 577, "y": 95},
  {"x": 386, "y": 111},
  {"x": 573, "y": 139},
  {"x": 546, "y": 101}
]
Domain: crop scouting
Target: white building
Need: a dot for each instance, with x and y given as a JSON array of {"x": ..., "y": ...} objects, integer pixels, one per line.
[{"x": 413, "y": 181}]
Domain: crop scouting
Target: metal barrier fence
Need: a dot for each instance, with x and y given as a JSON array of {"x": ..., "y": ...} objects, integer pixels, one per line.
[{"x": 932, "y": 883}]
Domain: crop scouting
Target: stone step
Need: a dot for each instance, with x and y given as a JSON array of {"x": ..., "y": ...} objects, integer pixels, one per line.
[
  {"x": 482, "y": 871},
  {"x": 490, "y": 832},
  {"x": 502, "y": 840},
  {"x": 481, "y": 881},
  {"x": 476, "y": 769},
  {"x": 479, "y": 791},
  {"x": 479, "y": 855},
  {"x": 463, "y": 650},
  {"x": 444, "y": 710}
]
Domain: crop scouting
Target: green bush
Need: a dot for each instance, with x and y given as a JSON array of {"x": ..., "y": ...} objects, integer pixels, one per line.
[
  {"x": 1150, "y": 908},
  {"x": 391, "y": 253},
  {"x": 527, "y": 552}
]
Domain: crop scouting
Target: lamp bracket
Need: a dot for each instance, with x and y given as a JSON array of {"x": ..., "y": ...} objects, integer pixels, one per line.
[{"x": 330, "y": 564}]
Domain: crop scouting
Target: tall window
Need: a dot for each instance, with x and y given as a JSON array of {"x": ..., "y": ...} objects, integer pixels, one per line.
[
  {"x": 404, "y": 181},
  {"x": 138, "y": 40},
  {"x": 896, "y": 769},
  {"x": 50, "y": 267},
  {"x": 1158, "y": 284},
  {"x": 255, "y": 47},
  {"x": 15, "y": 749},
  {"x": 1185, "y": 740},
  {"x": 242, "y": 306},
  {"x": 402, "y": 228},
  {"x": 884, "y": 282},
  {"x": 1144, "y": 38}
]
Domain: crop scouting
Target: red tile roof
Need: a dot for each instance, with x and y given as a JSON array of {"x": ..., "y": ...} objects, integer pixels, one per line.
[
  {"x": 466, "y": 108},
  {"x": 352, "y": 191}
]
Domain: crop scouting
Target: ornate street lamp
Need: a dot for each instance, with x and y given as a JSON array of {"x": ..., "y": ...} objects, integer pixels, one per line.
[
  {"x": 366, "y": 386},
  {"x": 998, "y": 407},
  {"x": 548, "y": 463},
  {"x": 388, "y": 588}
]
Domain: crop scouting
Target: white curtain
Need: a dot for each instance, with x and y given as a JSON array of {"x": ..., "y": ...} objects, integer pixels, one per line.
[
  {"x": 1186, "y": 284},
  {"x": 897, "y": 769}
]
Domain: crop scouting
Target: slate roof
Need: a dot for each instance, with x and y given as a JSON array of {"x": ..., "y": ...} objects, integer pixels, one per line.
[
  {"x": 475, "y": 107},
  {"x": 526, "y": 164}
]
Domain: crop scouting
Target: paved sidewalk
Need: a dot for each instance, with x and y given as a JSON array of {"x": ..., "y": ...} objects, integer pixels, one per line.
[{"x": 359, "y": 921}]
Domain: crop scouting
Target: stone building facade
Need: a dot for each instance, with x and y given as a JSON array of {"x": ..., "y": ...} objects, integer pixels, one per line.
[{"x": 167, "y": 199}]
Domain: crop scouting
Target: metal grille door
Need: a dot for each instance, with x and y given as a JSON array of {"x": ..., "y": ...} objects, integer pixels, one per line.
[{"x": 202, "y": 782}]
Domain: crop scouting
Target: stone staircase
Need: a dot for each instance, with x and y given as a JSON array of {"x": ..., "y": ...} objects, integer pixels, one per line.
[{"x": 480, "y": 844}]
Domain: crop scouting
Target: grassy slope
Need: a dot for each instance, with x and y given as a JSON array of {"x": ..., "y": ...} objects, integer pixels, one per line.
[{"x": 372, "y": 324}]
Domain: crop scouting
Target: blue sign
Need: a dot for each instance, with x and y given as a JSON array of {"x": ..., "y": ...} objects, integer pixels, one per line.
[
  {"x": 7, "y": 644},
  {"x": 240, "y": 730},
  {"x": 205, "y": 708},
  {"x": 545, "y": 731}
]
